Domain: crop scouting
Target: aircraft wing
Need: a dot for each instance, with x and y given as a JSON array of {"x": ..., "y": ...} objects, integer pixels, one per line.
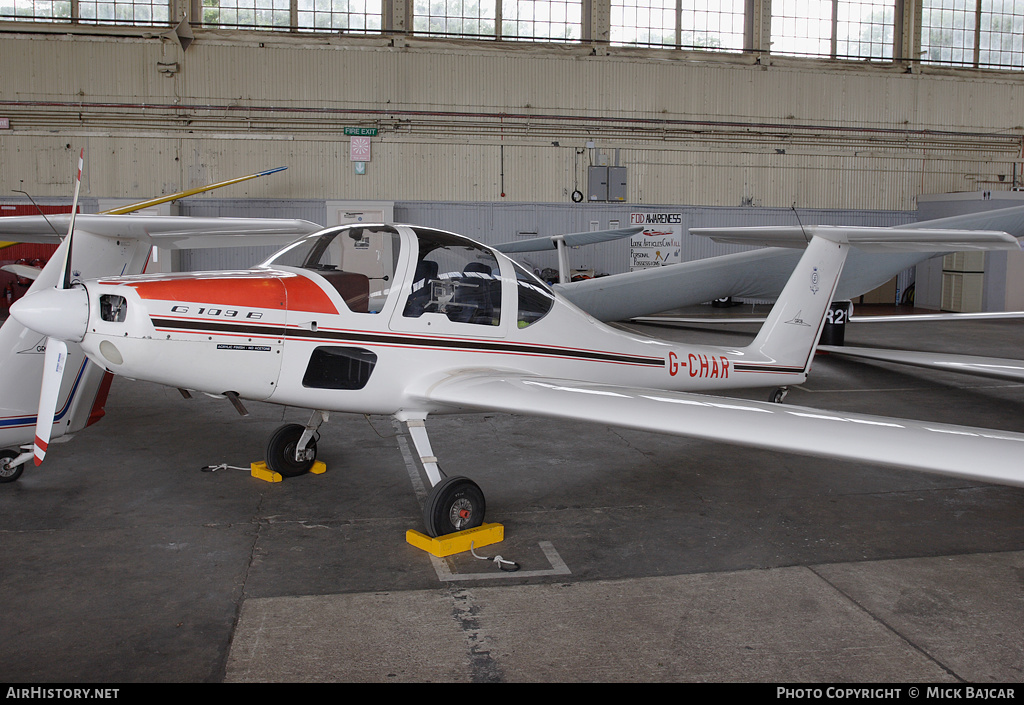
[
  {"x": 867, "y": 239},
  {"x": 22, "y": 270},
  {"x": 756, "y": 274},
  {"x": 538, "y": 244},
  {"x": 938, "y": 448},
  {"x": 166, "y": 231},
  {"x": 994, "y": 367},
  {"x": 761, "y": 274}
]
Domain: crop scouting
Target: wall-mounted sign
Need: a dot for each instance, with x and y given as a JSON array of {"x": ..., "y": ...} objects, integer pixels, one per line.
[
  {"x": 5, "y": 123},
  {"x": 660, "y": 243},
  {"x": 359, "y": 149},
  {"x": 361, "y": 131}
]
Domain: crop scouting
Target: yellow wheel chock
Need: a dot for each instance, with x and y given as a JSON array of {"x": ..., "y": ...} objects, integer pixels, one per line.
[
  {"x": 459, "y": 542},
  {"x": 260, "y": 471}
]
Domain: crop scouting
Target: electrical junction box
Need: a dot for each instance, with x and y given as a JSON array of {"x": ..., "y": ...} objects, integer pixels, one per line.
[
  {"x": 616, "y": 183},
  {"x": 606, "y": 183},
  {"x": 597, "y": 183}
]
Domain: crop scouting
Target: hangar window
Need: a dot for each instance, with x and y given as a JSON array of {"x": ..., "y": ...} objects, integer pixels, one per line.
[
  {"x": 128, "y": 11},
  {"x": 542, "y": 20},
  {"x": 687, "y": 24},
  {"x": 247, "y": 13},
  {"x": 357, "y": 16},
  {"x": 131, "y": 12},
  {"x": 345, "y": 15},
  {"x": 839, "y": 29},
  {"x": 456, "y": 17},
  {"x": 528, "y": 20},
  {"x": 986, "y": 33}
]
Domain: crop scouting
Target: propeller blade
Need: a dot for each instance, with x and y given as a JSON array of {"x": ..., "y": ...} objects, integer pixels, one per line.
[
  {"x": 66, "y": 279},
  {"x": 53, "y": 373}
]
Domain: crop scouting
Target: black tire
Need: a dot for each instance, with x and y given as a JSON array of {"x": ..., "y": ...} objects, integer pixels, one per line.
[
  {"x": 454, "y": 504},
  {"x": 281, "y": 451},
  {"x": 7, "y": 473}
]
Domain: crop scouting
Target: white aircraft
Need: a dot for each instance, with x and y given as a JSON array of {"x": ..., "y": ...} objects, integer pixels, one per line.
[
  {"x": 562, "y": 243},
  {"x": 761, "y": 274},
  {"x": 411, "y": 321}
]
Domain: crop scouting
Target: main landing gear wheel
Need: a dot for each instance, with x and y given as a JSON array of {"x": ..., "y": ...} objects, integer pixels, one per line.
[
  {"x": 779, "y": 395},
  {"x": 281, "y": 451},
  {"x": 454, "y": 504},
  {"x": 7, "y": 472}
]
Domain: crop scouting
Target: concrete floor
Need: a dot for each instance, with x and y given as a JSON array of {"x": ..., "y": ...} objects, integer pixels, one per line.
[{"x": 642, "y": 557}]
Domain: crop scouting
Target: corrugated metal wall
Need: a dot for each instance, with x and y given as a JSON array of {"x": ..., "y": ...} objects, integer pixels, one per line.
[{"x": 471, "y": 121}]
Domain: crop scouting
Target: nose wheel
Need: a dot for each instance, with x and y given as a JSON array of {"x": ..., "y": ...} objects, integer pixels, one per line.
[
  {"x": 8, "y": 471},
  {"x": 454, "y": 504},
  {"x": 281, "y": 455}
]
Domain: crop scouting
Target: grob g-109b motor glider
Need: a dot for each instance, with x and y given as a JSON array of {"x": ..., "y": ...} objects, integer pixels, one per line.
[{"x": 412, "y": 321}]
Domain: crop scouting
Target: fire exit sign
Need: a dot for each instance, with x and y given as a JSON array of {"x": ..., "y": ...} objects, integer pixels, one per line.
[{"x": 361, "y": 131}]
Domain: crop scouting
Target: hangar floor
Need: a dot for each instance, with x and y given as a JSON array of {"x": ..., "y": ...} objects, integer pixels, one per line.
[{"x": 643, "y": 557}]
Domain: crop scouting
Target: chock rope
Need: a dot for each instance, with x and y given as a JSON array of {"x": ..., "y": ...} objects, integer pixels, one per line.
[
  {"x": 222, "y": 466},
  {"x": 502, "y": 564}
]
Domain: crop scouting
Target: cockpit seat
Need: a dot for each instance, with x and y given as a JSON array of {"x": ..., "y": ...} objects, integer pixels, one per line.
[
  {"x": 473, "y": 295},
  {"x": 354, "y": 288},
  {"x": 416, "y": 304}
]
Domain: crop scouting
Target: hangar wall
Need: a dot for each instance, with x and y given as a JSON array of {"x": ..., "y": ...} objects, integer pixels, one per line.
[
  {"x": 495, "y": 223},
  {"x": 477, "y": 122}
]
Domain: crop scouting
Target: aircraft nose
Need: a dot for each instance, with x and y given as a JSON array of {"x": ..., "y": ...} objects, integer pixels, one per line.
[{"x": 55, "y": 313}]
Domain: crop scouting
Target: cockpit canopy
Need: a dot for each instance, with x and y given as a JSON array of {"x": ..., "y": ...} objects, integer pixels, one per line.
[{"x": 453, "y": 275}]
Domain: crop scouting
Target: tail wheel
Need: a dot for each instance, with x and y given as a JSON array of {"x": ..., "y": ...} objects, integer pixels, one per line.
[
  {"x": 454, "y": 504},
  {"x": 8, "y": 472},
  {"x": 281, "y": 451}
]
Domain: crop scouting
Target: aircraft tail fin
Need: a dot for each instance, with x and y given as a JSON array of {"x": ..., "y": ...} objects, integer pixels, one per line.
[
  {"x": 788, "y": 338},
  {"x": 789, "y": 335}
]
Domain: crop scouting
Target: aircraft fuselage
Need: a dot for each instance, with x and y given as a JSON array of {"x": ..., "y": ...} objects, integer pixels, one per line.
[{"x": 397, "y": 309}]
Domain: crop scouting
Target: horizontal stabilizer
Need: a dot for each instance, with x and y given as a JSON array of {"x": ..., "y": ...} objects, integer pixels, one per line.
[
  {"x": 538, "y": 244},
  {"x": 716, "y": 318},
  {"x": 166, "y": 231},
  {"x": 869, "y": 239},
  {"x": 992, "y": 367}
]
